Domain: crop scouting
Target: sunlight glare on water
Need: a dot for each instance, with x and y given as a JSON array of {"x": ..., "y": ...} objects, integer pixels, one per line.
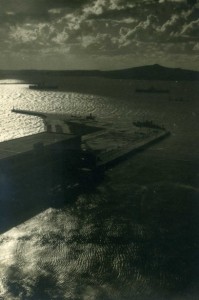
[{"x": 19, "y": 96}]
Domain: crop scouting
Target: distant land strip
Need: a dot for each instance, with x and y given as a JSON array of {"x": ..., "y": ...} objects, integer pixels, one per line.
[{"x": 151, "y": 72}]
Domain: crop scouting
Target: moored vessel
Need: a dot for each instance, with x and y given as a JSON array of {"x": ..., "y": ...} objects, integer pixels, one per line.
[
  {"x": 41, "y": 86},
  {"x": 152, "y": 90}
]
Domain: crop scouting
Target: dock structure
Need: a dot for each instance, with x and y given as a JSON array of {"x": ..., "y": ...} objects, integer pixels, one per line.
[
  {"x": 43, "y": 169},
  {"x": 101, "y": 143},
  {"x": 110, "y": 147},
  {"x": 66, "y": 124},
  {"x": 38, "y": 144},
  {"x": 32, "y": 169},
  {"x": 43, "y": 155},
  {"x": 37, "y": 170}
]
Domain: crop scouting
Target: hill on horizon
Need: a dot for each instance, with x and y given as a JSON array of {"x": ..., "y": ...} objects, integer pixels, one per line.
[
  {"x": 149, "y": 72},
  {"x": 154, "y": 72}
]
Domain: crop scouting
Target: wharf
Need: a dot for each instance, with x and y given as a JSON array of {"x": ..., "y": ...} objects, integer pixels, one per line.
[
  {"x": 102, "y": 143},
  {"x": 38, "y": 156},
  {"x": 35, "y": 172},
  {"x": 109, "y": 146},
  {"x": 26, "y": 144}
]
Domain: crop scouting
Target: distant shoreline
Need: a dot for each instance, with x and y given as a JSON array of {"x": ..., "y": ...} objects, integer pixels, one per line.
[{"x": 151, "y": 72}]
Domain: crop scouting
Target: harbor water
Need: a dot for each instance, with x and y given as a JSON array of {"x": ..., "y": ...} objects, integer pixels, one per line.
[{"x": 134, "y": 234}]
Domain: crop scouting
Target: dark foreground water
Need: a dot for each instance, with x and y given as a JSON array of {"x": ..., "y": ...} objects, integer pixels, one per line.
[{"x": 134, "y": 235}]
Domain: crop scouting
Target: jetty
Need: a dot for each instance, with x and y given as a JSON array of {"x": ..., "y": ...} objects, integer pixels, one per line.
[
  {"x": 102, "y": 144},
  {"x": 110, "y": 147},
  {"x": 73, "y": 152}
]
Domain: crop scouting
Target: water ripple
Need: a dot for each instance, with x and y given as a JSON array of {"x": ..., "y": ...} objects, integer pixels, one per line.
[{"x": 99, "y": 247}]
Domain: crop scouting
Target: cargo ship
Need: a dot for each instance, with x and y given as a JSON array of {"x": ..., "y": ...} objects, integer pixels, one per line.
[
  {"x": 41, "y": 86},
  {"x": 152, "y": 90}
]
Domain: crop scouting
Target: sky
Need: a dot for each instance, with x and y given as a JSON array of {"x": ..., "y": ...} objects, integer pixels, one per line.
[{"x": 98, "y": 34}]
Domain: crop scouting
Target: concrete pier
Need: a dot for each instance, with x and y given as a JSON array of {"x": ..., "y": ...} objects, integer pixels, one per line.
[
  {"x": 31, "y": 169},
  {"x": 102, "y": 143},
  {"x": 110, "y": 146}
]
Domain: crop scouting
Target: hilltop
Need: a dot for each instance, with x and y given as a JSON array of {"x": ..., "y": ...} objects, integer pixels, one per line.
[{"x": 154, "y": 72}]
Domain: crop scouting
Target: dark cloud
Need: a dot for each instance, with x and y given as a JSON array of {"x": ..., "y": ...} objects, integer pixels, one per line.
[
  {"x": 98, "y": 29},
  {"x": 37, "y": 5},
  {"x": 16, "y": 11}
]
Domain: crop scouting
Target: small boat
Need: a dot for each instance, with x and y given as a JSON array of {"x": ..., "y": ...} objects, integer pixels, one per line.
[{"x": 90, "y": 117}]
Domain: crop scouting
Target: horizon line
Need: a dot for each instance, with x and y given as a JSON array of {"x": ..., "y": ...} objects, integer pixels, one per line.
[{"x": 96, "y": 70}]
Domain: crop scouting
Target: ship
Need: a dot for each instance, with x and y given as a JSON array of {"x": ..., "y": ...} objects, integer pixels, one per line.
[
  {"x": 42, "y": 86},
  {"x": 152, "y": 90}
]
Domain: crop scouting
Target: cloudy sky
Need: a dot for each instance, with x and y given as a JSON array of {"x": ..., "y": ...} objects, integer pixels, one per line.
[{"x": 98, "y": 34}]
